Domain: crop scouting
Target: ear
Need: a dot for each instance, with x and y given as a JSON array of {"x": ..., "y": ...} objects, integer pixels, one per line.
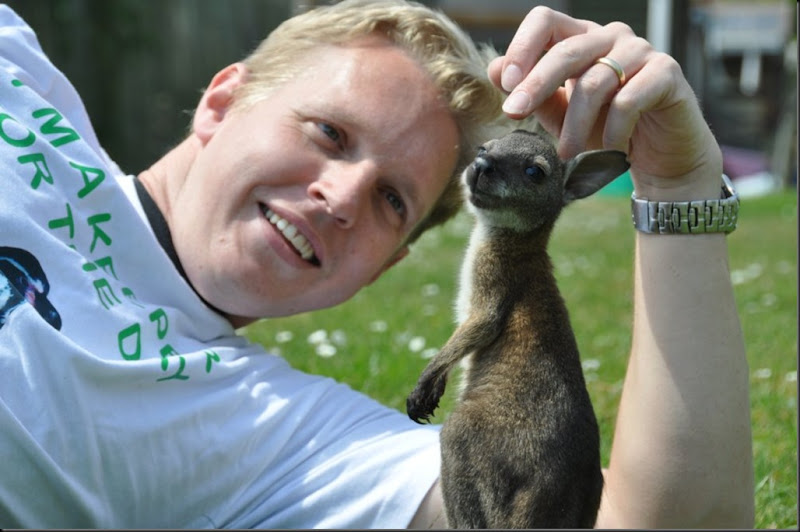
[
  {"x": 397, "y": 257},
  {"x": 216, "y": 100},
  {"x": 588, "y": 172}
]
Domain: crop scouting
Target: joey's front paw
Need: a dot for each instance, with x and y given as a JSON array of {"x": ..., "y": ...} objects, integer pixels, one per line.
[{"x": 425, "y": 398}]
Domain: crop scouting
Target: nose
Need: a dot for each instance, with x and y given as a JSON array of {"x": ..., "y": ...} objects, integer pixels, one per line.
[
  {"x": 483, "y": 165},
  {"x": 344, "y": 188}
]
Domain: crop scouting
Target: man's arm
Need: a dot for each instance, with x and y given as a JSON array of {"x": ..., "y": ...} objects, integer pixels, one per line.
[
  {"x": 430, "y": 514},
  {"x": 682, "y": 453}
]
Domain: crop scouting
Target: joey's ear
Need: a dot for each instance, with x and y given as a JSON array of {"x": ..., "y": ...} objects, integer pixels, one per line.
[
  {"x": 217, "y": 99},
  {"x": 588, "y": 172}
]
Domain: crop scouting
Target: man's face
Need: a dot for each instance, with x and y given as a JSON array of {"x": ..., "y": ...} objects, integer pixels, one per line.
[{"x": 301, "y": 199}]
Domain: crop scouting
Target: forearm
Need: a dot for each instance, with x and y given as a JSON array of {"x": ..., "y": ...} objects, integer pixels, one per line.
[{"x": 682, "y": 452}]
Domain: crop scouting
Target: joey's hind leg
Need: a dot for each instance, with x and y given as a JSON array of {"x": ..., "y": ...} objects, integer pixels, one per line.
[{"x": 462, "y": 500}]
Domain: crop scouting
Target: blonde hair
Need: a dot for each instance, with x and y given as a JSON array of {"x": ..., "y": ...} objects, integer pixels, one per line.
[{"x": 454, "y": 63}]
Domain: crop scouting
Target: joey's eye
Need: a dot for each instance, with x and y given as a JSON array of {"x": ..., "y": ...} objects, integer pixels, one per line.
[
  {"x": 330, "y": 132},
  {"x": 481, "y": 151},
  {"x": 534, "y": 171}
]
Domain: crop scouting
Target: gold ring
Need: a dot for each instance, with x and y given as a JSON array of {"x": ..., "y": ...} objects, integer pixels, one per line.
[{"x": 616, "y": 67}]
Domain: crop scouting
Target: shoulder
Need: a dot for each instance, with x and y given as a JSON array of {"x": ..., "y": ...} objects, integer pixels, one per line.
[
  {"x": 10, "y": 20},
  {"x": 19, "y": 46},
  {"x": 23, "y": 58}
]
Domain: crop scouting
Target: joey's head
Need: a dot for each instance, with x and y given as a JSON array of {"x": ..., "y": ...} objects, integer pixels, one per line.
[{"x": 518, "y": 182}]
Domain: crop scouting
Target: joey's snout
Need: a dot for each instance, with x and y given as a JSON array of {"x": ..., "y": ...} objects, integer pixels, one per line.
[
  {"x": 483, "y": 163},
  {"x": 482, "y": 166}
]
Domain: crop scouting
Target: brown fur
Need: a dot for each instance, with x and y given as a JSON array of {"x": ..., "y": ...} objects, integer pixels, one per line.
[{"x": 521, "y": 448}]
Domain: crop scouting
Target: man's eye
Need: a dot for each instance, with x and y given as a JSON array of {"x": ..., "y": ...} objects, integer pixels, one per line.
[
  {"x": 396, "y": 203},
  {"x": 330, "y": 132}
]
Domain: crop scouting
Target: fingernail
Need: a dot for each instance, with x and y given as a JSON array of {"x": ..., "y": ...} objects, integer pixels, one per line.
[
  {"x": 511, "y": 77},
  {"x": 517, "y": 103}
]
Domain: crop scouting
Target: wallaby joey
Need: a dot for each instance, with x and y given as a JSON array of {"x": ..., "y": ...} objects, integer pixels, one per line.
[{"x": 521, "y": 448}]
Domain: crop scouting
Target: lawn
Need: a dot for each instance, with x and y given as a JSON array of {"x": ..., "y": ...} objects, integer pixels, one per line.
[{"x": 380, "y": 341}]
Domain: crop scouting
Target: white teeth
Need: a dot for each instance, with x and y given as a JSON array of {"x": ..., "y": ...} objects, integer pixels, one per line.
[{"x": 291, "y": 233}]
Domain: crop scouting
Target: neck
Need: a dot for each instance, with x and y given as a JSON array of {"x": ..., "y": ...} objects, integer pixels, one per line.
[
  {"x": 165, "y": 178},
  {"x": 523, "y": 243},
  {"x": 163, "y": 182}
]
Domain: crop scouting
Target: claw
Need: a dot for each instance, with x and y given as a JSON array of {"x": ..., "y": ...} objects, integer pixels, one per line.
[
  {"x": 424, "y": 399},
  {"x": 416, "y": 410}
]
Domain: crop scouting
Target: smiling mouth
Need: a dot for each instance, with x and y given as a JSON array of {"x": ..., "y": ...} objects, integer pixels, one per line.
[{"x": 299, "y": 242}]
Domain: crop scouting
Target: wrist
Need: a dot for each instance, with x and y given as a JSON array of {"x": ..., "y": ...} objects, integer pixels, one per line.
[
  {"x": 699, "y": 181},
  {"x": 705, "y": 186},
  {"x": 695, "y": 216}
]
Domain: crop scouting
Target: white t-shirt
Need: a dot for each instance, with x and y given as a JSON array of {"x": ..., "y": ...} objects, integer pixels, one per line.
[{"x": 125, "y": 402}]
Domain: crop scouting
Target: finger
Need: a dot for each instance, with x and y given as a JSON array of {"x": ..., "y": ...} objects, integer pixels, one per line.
[
  {"x": 495, "y": 69},
  {"x": 657, "y": 87},
  {"x": 541, "y": 29},
  {"x": 550, "y": 114},
  {"x": 568, "y": 59},
  {"x": 592, "y": 92}
]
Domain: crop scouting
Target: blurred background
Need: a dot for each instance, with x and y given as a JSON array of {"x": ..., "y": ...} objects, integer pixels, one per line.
[{"x": 141, "y": 66}]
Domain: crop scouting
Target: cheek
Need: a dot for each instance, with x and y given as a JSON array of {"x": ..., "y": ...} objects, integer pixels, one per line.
[{"x": 373, "y": 255}]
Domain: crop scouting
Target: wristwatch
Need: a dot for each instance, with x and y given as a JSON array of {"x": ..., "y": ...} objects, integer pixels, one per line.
[{"x": 688, "y": 217}]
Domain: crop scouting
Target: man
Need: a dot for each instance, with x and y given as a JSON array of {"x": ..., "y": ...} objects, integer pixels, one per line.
[{"x": 310, "y": 168}]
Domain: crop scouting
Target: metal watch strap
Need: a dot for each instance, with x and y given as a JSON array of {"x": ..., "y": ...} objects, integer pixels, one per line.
[{"x": 688, "y": 217}]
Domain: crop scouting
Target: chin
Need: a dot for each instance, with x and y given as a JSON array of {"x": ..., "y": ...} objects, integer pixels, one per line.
[
  {"x": 237, "y": 322},
  {"x": 247, "y": 308}
]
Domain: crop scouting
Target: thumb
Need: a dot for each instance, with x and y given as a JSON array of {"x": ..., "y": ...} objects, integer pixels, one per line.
[{"x": 495, "y": 71}]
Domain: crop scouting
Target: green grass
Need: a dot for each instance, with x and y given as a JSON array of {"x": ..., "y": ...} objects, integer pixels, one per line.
[{"x": 383, "y": 336}]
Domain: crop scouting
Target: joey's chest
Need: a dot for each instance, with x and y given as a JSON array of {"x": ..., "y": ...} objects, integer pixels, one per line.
[
  {"x": 499, "y": 268},
  {"x": 480, "y": 278}
]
